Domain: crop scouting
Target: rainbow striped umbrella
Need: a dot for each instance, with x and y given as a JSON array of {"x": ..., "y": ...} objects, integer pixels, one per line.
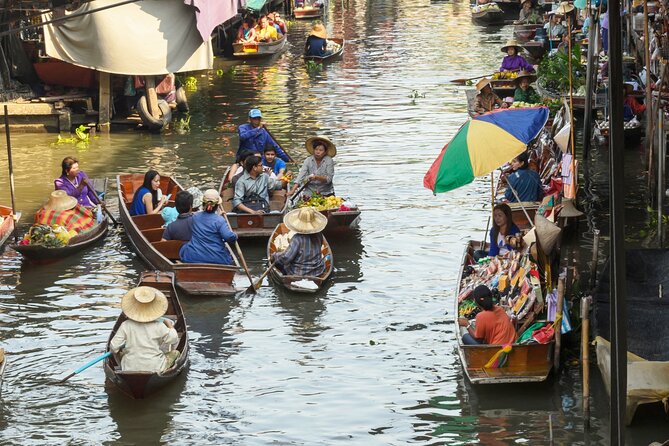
[{"x": 483, "y": 144}]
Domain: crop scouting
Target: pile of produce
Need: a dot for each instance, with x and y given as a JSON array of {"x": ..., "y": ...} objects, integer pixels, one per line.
[
  {"x": 521, "y": 104},
  {"x": 322, "y": 203},
  {"x": 504, "y": 75},
  {"x": 632, "y": 124},
  {"x": 486, "y": 7},
  {"x": 47, "y": 236}
]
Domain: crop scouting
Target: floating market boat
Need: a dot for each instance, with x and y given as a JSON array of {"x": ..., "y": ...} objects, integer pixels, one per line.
[
  {"x": 488, "y": 14},
  {"x": 308, "y": 12},
  {"x": 253, "y": 225},
  {"x": 38, "y": 253},
  {"x": 145, "y": 233},
  {"x": 527, "y": 362},
  {"x": 8, "y": 223},
  {"x": 525, "y": 32},
  {"x": 142, "y": 384},
  {"x": 293, "y": 283},
  {"x": 647, "y": 331},
  {"x": 536, "y": 50},
  {"x": 3, "y": 365},
  {"x": 633, "y": 131},
  {"x": 329, "y": 57},
  {"x": 258, "y": 49}
]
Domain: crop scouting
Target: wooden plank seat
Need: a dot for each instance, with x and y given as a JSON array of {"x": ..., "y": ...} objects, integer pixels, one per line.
[
  {"x": 169, "y": 248},
  {"x": 148, "y": 221},
  {"x": 153, "y": 234}
]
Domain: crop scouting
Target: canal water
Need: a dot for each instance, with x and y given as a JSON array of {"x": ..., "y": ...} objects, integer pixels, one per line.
[{"x": 369, "y": 360}]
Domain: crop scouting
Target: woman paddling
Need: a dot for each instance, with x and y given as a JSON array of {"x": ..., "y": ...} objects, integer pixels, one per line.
[{"x": 75, "y": 183}]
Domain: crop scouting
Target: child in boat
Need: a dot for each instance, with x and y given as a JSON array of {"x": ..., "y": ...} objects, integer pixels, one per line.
[
  {"x": 492, "y": 325},
  {"x": 139, "y": 339},
  {"x": 524, "y": 92},
  {"x": 502, "y": 227},
  {"x": 247, "y": 32},
  {"x": 303, "y": 256},
  {"x": 513, "y": 61},
  {"x": 146, "y": 199}
]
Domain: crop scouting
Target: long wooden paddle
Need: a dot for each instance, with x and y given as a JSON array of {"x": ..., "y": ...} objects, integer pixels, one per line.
[
  {"x": 464, "y": 81},
  {"x": 239, "y": 252},
  {"x": 101, "y": 203},
  {"x": 290, "y": 158},
  {"x": 11, "y": 174},
  {"x": 256, "y": 285},
  {"x": 85, "y": 366}
]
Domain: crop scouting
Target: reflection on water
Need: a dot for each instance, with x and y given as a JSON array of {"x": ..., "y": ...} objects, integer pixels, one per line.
[{"x": 368, "y": 360}]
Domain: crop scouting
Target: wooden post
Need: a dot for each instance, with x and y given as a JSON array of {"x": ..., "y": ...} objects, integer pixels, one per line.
[
  {"x": 649, "y": 98},
  {"x": 595, "y": 255},
  {"x": 10, "y": 166},
  {"x": 151, "y": 96},
  {"x": 585, "y": 355},
  {"x": 104, "y": 100},
  {"x": 558, "y": 317}
]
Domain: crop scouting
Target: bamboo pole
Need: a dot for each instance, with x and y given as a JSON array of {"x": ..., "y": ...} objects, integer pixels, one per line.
[
  {"x": 571, "y": 113},
  {"x": 646, "y": 41},
  {"x": 558, "y": 317},
  {"x": 585, "y": 353},
  {"x": 10, "y": 165}
]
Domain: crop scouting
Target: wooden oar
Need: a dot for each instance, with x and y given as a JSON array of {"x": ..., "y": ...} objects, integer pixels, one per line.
[
  {"x": 11, "y": 174},
  {"x": 290, "y": 158},
  {"x": 101, "y": 203},
  {"x": 85, "y": 366},
  {"x": 239, "y": 251},
  {"x": 255, "y": 286},
  {"x": 464, "y": 81},
  {"x": 297, "y": 192}
]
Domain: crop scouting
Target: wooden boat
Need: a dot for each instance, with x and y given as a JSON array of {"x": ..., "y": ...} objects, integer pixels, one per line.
[
  {"x": 631, "y": 133},
  {"x": 289, "y": 281},
  {"x": 145, "y": 233},
  {"x": 41, "y": 254},
  {"x": 526, "y": 363},
  {"x": 8, "y": 223},
  {"x": 536, "y": 50},
  {"x": 259, "y": 49},
  {"x": 488, "y": 17},
  {"x": 251, "y": 225},
  {"x": 471, "y": 97},
  {"x": 525, "y": 32},
  {"x": 3, "y": 365},
  {"x": 329, "y": 57},
  {"x": 308, "y": 12},
  {"x": 142, "y": 384},
  {"x": 647, "y": 331},
  {"x": 341, "y": 221}
]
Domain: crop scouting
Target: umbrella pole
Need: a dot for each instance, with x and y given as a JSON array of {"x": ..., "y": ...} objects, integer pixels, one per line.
[{"x": 492, "y": 192}]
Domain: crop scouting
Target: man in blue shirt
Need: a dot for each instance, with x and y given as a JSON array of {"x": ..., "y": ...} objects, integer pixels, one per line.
[
  {"x": 182, "y": 227},
  {"x": 254, "y": 136},
  {"x": 276, "y": 165}
]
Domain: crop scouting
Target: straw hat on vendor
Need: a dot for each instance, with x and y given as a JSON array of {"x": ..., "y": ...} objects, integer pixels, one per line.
[
  {"x": 59, "y": 201},
  {"x": 564, "y": 8},
  {"x": 315, "y": 141},
  {"x": 512, "y": 43},
  {"x": 480, "y": 85},
  {"x": 319, "y": 31},
  {"x": 305, "y": 220},
  {"x": 525, "y": 75},
  {"x": 144, "y": 304}
]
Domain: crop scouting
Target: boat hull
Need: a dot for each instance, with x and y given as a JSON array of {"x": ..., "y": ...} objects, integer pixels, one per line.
[
  {"x": 330, "y": 57},
  {"x": 262, "y": 49},
  {"x": 8, "y": 223},
  {"x": 307, "y": 13}
]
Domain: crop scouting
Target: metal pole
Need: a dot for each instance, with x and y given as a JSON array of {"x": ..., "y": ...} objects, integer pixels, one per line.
[
  {"x": 649, "y": 97},
  {"x": 617, "y": 231},
  {"x": 661, "y": 150},
  {"x": 9, "y": 161},
  {"x": 591, "y": 73},
  {"x": 595, "y": 255},
  {"x": 585, "y": 353},
  {"x": 558, "y": 317}
]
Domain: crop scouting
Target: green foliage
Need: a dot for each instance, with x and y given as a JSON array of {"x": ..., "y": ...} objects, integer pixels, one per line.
[
  {"x": 80, "y": 139},
  {"x": 190, "y": 83},
  {"x": 554, "y": 71},
  {"x": 314, "y": 67},
  {"x": 182, "y": 125}
]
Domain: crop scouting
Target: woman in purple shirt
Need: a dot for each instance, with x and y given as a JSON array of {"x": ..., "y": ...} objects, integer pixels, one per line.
[
  {"x": 513, "y": 61},
  {"x": 75, "y": 183}
]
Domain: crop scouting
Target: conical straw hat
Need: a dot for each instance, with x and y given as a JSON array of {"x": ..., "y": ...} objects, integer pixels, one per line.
[
  {"x": 330, "y": 148},
  {"x": 564, "y": 8},
  {"x": 562, "y": 138},
  {"x": 305, "y": 220},
  {"x": 480, "y": 85},
  {"x": 60, "y": 201},
  {"x": 144, "y": 304},
  {"x": 568, "y": 209},
  {"x": 547, "y": 233},
  {"x": 509, "y": 43}
]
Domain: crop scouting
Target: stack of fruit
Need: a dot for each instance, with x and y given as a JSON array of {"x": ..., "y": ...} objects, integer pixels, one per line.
[{"x": 322, "y": 203}]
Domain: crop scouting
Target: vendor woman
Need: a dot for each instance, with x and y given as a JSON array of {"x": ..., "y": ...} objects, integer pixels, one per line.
[
  {"x": 524, "y": 92},
  {"x": 513, "y": 61},
  {"x": 75, "y": 182},
  {"x": 502, "y": 227}
]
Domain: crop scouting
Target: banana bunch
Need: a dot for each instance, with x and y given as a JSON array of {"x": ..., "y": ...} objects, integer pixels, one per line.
[
  {"x": 504, "y": 75},
  {"x": 323, "y": 203},
  {"x": 521, "y": 104}
]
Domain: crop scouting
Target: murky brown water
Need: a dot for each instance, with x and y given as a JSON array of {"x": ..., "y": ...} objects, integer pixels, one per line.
[{"x": 370, "y": 360}]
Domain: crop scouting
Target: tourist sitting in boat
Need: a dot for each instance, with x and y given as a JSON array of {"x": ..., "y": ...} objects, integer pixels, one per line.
[
  {"x": 276, "y": 19},
  {"x": 513, "y": 61},
  {"x": 502, "y": 227},
  {"x": 635, "y": 107},
  {"x": 303, "y": 257},
  {"x": 524, "y": 92},
  {"x": 554, "y": 27},
  {"x": 265, "y": 32},
  {"x": 528, "y": 15},
  {"x": 182, "y": 227},
  {"x": 148, "y": 199},
  {"x": 486, "y": 100},
  {"x": 237, "y": 169},
  {"x": 276, "y": 165},
  {"x": 492, "y": 325},
  {"x": 317, "y": 42},
  {"x": 252, "y": 189},
  {"x": 75, "y": 182},
  {"x": 142, "y": 338},
  {"x": 254, "y": 137},
  {"x": 210, "y": 231},
  {"x": 318, "y": 169},
  {"x": 247, "y": 32},
  {"x": 523, "y": 180}
]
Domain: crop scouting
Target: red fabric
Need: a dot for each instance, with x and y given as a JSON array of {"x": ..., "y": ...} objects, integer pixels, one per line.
[
  {"x": 78, "y": 218},
  {"x": 555, "y": 186},
  {"x": 494, "y": 327},
  {"x": 636, "y": 107}
]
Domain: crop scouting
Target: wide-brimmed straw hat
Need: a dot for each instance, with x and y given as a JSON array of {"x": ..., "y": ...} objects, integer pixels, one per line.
[
  {"x": 330, "y": 148},
  {"x": 564, "y": 8},
  {"x": 197, "y": 196},
  {"x": 525, "y": 75},
  {"x": 60, "y": 201},
  {"x": 319, "y": 31},
  {"x": 305, "y": 220},
  {"x": 211, "y": 196},
  {"x": 144, "y": 304},
  {"x": 511, "y": 43},
  {"x": 480, "y": 85},
  {"x": 548, "y": 233}
]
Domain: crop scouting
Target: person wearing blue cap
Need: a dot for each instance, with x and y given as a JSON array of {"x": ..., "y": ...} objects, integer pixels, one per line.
[{"x": 254, "y": 137}]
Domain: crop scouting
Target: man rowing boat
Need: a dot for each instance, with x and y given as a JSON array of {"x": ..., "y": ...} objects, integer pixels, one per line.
[{"x": 254, "y": 137}]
